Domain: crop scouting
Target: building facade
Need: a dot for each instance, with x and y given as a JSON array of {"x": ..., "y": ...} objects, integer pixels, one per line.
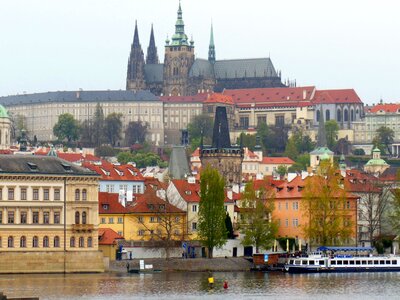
[{"x": 49, "y": 208}]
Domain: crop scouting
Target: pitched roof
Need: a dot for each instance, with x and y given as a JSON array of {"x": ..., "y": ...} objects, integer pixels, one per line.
[
  {"x": 239, "y": 68},
  {"x": 150, "y": 203},
  {"x": 188, "y": 191},
  {"x": 201, "y": 68},
  {"x": 336, "y": 96},
  {"x": 178, "y": 163},
  {"x": 78, "y": 96},
  {"x": 109, "y": 204},
  {"x": 153, "y": 73},
  {"x": 277, "y": 160},
  {"x": 111, "y": 172},
  {"x": 107, "y": 236},
  {"x": 219, "y": 98},
  {"x": 387, "y": 108}
]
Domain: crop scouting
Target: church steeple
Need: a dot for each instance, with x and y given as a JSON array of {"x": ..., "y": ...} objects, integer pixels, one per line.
[
  {"x": 211, "y": 48},
  {"x": 179, "y": 38},
  {"x": 136, "y": 43},
  {"x": 152, "y": 56},
  {"x": 135, "y": 72}
]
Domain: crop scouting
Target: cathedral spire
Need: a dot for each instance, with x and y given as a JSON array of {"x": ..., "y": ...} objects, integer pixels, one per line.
[
  {"x": 152, "y": 57},
  {"x": 136, "y": 43},
  {"x": 179, "y": 38},
  {"x": 211, "y": 48}
]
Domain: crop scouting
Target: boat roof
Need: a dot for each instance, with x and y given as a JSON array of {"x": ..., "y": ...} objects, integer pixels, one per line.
[{"x": 327, "y": 248}]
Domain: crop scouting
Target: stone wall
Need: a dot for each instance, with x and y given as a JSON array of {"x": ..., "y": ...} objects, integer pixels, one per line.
[{"x": 51, "y": 262}]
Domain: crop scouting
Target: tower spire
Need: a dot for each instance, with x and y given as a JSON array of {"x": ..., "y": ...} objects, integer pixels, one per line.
[
  {"x": 211, "y": 48},
  {"x": 152, "y": 56},
  {"x": 136, "y": 43},
  {"x": 179, "y": 38}
]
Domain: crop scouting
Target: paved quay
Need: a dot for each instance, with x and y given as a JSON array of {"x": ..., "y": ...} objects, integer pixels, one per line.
[{"x": 188, "y": 265}]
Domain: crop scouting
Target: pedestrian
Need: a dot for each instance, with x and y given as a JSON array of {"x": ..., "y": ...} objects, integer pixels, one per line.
[
  {"x": 127, "y": 267},
  {"x": 225, "y": 284}
]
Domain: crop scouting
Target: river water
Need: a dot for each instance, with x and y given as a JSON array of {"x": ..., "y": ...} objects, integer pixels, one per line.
[{"x": 242, "y": 285}]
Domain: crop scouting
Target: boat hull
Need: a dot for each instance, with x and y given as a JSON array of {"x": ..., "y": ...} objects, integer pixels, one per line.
[{"x": 299, "y": 269}]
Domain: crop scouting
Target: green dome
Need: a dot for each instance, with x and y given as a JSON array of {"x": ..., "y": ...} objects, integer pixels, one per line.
[
  {"x": 325, "y": 156},
  {"x": 3, "y": 112}
]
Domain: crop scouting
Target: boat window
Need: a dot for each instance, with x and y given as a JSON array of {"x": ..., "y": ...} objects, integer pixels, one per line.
[
  {"x": 333, "y": 262},
  {"x": 339, "y": 262},
  {"x": 345, "y": 262},
  {"x": 352, "y": 262},
  {"x": 376, "y": 262},
  {"x": 311, "y": 262},
  {"x": 394, "y": 262},
  {"x": 291, "y": 261},
  {"x": 297, "y": 262},
  {"x": 370, "y": 262},
  {"x": 364, "y": 262},
  {"x": 388, "y": 262},
  {"x": 358, "y": 262},
  {"x": 381, "y": 262},
  {"x": 321, "y": 262}
]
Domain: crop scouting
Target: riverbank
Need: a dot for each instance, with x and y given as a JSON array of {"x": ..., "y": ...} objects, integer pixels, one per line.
[{"x": 230, "y": 264}]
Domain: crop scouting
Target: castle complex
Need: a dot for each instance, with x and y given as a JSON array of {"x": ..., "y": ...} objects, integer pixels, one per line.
[{"x": 182, "y": 74}]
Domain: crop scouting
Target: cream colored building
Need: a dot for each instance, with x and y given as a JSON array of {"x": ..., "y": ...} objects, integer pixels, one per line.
[
  {"x": 48, "y": 207},
  {"x": 5, "y": 129}
]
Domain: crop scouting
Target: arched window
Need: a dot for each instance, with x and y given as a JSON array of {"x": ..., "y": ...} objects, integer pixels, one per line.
[
  {"x": 339, "y": 115},
  {"x": 22, "y": 242},
  {"x": 346, "y": 115},
  {"x": 90, "y": 242},
  {"x": 56, "y": 242},
  {"x": 352, "y": 115},
  {"x": 77, "y": 217},
  {"x": 318, "y": 115},
  {"x": 327, "y": 115},
  {"x": 81, "y": 242},
  {"x": 45, "y": 242},
  {"x": 356, "y": 112},
  {"x": 10, "y": 242},
  {"x": 84, "y": 195},
  {"x": 77, "y": 195},
  {"x": 84, "y": 217},
  {"x": 72, "y": 242},
  {"x": 35, "y": 242}
]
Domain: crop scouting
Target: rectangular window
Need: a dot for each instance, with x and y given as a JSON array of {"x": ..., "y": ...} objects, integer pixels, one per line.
[
  {"x": 295, "y": 222},
  {"x": 279, "y": 121},
  {"x": 140, "y": 219},
  {"x": 46, "y": 217},
  {"x": 103, "y": 220},
  {"x": 295, "y": 205},
  {"x": 194, "y": 226},
  {"x": 110, "y": 220},
  {"x": 141, "y": 232},
  {"x": 120, "y": 220},
  {"x": 152, "y": 219},
  {"x": 287, "y": 205},
  {"x": 35, "y": 217},
  {"x": 10, "y": 217},
  {"x": 23, "y": 193},
  {"x": 10, "y": 193},
  {"x": 23, "y": 217},
  {"x": 244, "y": 122},
  {"x": 119, "y": 233},
  {"x": 279, "y": 222},
  {"x": 261, "y": 120},
  {"x": 46, "y": 194},
  {"x": 287, "y": 222},
  {"x": 35, "y": 194},
  {"x": 194, "y": 208},
  {"x": 1, "y": 193},
  {"x": 1, "y": 217},
  {"x": 56, "y": 194},
  {"x": 56, "y": 218}
]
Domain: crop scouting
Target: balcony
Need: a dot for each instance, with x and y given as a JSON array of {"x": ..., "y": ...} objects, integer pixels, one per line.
[{"x": 82, "y": 227}]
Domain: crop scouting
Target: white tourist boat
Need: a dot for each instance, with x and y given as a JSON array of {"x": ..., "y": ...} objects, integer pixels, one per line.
[{"x": 327, "y": 259}]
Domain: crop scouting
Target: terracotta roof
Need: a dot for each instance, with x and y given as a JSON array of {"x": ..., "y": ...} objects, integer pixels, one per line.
[
  {"x": 388, "y": 108},
  {"x": 108, "y": 204},
  {"x": 277, "y": 160},
  {"x": 188, "y": 191},
  {"x": 196, "y": 153},
  {"x": 219, "y": 98},
  {"x": 336, "y": 96},
  {"x": 111, "y": 172},
  {"x": 149, "y": 202},
  {"x": 107, "y": 236},
  {"x": 154, "y": 183}
]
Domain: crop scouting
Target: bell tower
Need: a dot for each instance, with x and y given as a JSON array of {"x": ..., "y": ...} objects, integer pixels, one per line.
[{"x": 179, "y": 58}]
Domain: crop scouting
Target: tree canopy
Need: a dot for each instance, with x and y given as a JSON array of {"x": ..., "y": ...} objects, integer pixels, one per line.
[
  {"x": 135, "y": 133},
  {"x": 66, "y": 128},
  {"x": 331, "y": 129},
  {"x": 211, "y": 228},
  {"x": 385, "y": 137},
  {"x": 200, "y": 123},
  {"x": 113, "y": 126}
]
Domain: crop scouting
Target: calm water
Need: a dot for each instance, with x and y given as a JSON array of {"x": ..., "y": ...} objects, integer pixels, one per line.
[{"x": 194, "y": 286}]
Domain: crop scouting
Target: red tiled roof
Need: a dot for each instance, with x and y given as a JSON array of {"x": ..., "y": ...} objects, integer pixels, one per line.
[
  {"x": 196, "y": 153},
  {"x": 271, "y": 96},
  {"x": 277, "y": 160},
  {"x": 185, "y": 99},
  {"x": 111, "y": 172},
  {"x": 149, "y": 203},
  {"x": 188, "y": 191},
  {"x": 219, "y": 98},
  {"x": 107, "y": 236},
  {"x": 151, "y": 182},
  {"x": 108, "y": 204},
  {"x": 389, "y": 108},
  {"x": 336, "y": 96}
]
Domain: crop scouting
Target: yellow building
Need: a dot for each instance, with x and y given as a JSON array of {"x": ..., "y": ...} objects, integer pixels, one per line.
[
  {"x": 48, "y": 215},
  {"x": 147, "y": 217}
]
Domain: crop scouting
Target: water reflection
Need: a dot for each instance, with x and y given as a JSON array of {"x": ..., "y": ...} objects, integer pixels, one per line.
[{"x": 195, "y": 285}]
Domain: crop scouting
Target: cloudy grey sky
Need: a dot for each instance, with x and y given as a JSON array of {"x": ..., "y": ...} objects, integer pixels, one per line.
[{"x": 48, "y": 45}]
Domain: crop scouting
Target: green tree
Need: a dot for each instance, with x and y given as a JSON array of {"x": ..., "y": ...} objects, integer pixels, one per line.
[
  {"x": 200, "y": 124},
  {"x": 255, "y": 217},
  {"x": 325, "y": 209},
  {"x": 291, "y": 148},
  {"x": 247, "y": 140},
  {"x": 104, "y": 150},
  {"x": 211, "y": 227},
  {"x": 282, "y": 170},
  {"x": 113, "y": 126},
  {"x": 66, "y": 128},
  {"x": 331, "y": 129},
  {"x": 385, "y": 136},
  {"x": 136, "y": 133},
  {"x": 86, "y": 137},
  {"x": 125, "y": 157},
  {"x": 395, "y": 207},
  {"x": 229, "y": 227},
  {"x": 98, "y": 134},
  {"x": 301, "y": 163}
]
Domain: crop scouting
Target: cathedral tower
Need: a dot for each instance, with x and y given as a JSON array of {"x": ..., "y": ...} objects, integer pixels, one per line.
[
  {"x": 135, "y": 75},
  {"x": 152, "y": 56},
  {"x": 179, "y": 57}
]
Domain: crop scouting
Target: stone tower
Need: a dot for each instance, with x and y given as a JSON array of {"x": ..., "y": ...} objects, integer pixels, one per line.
[
  {"x": 135, "y": 75},
  {"x": 221, "y": 155},
  {"x": 152, "y": 56},
  {"x": 179, "y": 58}
]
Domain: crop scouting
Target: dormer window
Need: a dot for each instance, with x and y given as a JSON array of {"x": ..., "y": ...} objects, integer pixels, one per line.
[
  {"x": 105, "y": 206},
  {"x": 105, "y": 172},
  {"x": 67, "y": 167},
  {"x": 32, "y": 166},
  {"x": 188, "y": 192}
]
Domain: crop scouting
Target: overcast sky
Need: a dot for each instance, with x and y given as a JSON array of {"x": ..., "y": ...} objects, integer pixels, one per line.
[{"x": 48, "y": 45}]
